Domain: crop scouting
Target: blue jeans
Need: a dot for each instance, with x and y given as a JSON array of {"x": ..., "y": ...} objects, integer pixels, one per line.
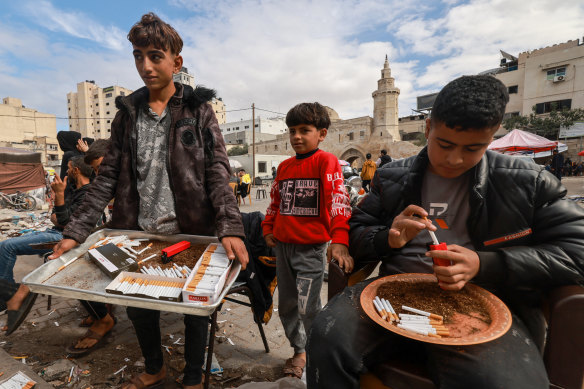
[{"x": 13, "y": 247}]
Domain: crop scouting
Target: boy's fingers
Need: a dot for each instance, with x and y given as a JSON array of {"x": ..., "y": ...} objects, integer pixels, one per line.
[{"x": 412, "y": 210}]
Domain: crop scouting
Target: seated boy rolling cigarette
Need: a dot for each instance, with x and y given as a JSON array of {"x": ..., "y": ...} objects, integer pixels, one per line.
[
  {"x": 309, "y": 208},
  {"x": 507, "y": 228}
]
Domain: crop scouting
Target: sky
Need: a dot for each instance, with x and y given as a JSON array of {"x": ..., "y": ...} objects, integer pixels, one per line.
[{"x": 275, "y": 53}]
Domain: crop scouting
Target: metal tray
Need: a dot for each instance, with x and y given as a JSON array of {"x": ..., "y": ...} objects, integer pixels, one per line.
[{"x": 85, "y": 281}]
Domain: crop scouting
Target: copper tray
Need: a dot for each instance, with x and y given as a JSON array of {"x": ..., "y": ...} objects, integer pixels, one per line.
[{"x": 500, "y": 314}]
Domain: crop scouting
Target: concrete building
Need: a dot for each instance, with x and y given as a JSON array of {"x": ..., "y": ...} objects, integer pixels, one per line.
[
  {"x": 184, "y": 77},
  {"x": 92, "y": 109},
  {"x": 27, "y": 129},
  {"x": 240, "y": 132},
  {"x": 352, "y": 139},
  {"x": 541, "y": 79},
  {"x": 219, "y": 109}
]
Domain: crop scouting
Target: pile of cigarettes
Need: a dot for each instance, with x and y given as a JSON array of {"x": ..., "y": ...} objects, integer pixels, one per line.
[
  {"x": 213, "y": 265},
  {"x": 175, "y": 271},
  {"x": 422, "y": 322},
  {"x": 150, "y": 288}
]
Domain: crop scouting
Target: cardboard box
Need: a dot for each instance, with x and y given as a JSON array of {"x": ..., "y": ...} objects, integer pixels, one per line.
[
  {"x": 112, "y": 260},
  {"x": 207, "y": 297},
  {"x": 112, "y": 287}
]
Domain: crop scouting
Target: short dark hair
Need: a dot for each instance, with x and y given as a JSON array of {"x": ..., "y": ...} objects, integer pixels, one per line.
[
  {"x": 384, "y": 152},
  {"x": 308, "y": 113},
  {"x": 97, "y": 150},
  {"x": 471, "y": 102},
  {"x": 151, "y": 30},
  {"x": 368, "y": 156},
  {"x": 84, "y": 168}
]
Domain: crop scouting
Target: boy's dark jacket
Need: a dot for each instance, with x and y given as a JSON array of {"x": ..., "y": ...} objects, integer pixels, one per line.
[
  {"x": 507, "y": 196},
  {"x": 197, "y": 165}
]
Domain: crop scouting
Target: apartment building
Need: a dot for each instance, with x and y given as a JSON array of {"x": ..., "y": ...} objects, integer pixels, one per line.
[
  {"x": 91, "y": 109},
  {"x": 241, "y": 132},
  {"x": 28, "y": 129},
  {"x": 543, "y": 79}
]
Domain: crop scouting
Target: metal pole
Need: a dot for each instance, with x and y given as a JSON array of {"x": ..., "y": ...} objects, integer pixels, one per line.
[{"x": 253, "y": 143}]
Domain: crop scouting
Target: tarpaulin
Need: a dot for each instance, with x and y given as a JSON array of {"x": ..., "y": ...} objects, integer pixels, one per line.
[{"x": 21, "y": 177}]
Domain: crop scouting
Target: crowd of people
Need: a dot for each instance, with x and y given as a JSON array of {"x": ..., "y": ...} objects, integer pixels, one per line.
[{"x": 180, "y": 184}]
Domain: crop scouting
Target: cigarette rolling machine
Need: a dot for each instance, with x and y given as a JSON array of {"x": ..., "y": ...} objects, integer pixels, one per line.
[{"x": 171, "y": 251}]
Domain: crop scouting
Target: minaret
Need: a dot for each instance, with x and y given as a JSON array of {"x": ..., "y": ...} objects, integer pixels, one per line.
[{"x": 385, "y": 114}]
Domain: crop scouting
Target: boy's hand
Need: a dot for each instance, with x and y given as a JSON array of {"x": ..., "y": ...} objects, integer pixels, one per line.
[
  {"x": 82, "y": 145},
  {"x": 62, "y": 247},
  {"x": 235, "y": 249},
  {"x": 270, "y": 240},
  {"x": 465, "y": 266},
  {"x": 406, "y": 226},
  {"x": 340, "y": 252}
]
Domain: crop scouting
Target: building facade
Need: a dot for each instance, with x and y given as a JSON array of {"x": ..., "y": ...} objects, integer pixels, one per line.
[
  {"x": 92, "y": 109},
  {"x": 184, "y": 77},
  {"x": 543, "y": 79},
  {"x": 240, "y": 132},
  {"x": 27, "y": 129}
]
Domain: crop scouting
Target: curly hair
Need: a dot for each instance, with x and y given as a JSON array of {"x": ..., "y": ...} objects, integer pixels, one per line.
[
  {"x": 471, "y": 102},
  {"x": 308, "y": 113},
  {"x": 79, "y": 163},
  {"x": 151, "y": 30}
]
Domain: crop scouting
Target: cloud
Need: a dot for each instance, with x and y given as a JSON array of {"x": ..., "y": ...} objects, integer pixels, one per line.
[{"x": 76, "y": 24}]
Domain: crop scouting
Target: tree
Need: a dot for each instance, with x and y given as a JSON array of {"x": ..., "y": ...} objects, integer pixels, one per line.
[
  {"x": 545, "y": 125},
  {"x": 238, "y": 150}
]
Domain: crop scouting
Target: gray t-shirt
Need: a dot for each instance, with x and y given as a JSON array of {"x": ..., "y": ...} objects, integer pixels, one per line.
[
  {"x": 446, "y": 201},
  {"x": 157, "y": 212}
]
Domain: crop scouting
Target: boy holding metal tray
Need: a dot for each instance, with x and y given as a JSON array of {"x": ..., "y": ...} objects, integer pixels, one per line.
[
  {"x": 508, "y": 230},
  {"x": 168, "y": 170}
]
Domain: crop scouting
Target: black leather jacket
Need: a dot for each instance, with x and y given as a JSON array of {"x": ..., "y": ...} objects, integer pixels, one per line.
[
  {"x": 527, "y": 236},
  {"x": 197, "y": 163}
]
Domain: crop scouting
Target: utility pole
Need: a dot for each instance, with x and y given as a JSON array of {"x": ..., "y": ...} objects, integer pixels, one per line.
[{"x": 253, "y": 143}]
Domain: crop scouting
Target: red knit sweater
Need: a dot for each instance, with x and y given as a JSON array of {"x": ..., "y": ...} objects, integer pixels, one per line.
[{"x": 309, "y": 203}]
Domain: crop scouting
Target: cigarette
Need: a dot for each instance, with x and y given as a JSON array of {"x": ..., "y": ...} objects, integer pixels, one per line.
[
  {"x": 423, "y": 313},
  {"x": 379, "y": 310},
  {"x": 146, "y": 259},
  {"x": 387, "y": 314},
  {"x": 432, "y": 234},
  {"x": 68, "y": 263},
  {"x": 388, "y": 304},
  {"x": 70, "y": 374},
  {"x": 145, "y": 248}
]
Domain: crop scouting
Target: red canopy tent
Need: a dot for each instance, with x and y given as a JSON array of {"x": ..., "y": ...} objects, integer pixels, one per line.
[
  {"x": 20, "y": 170},
  {"x": 517, "y": 141}
]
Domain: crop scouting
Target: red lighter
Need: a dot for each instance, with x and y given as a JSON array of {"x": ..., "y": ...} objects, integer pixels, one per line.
[
  {"x": 170, "y": 251},
  {"x": 439, "y": 261}
]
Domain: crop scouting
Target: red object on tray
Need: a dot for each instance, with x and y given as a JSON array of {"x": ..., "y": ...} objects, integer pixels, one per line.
[
  {"x": 176, "y": 248},
  {"x": 440, "y": 261}
]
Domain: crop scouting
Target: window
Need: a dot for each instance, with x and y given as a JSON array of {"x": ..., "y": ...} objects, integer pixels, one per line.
[
  {"x": 237, "y": 128},
  {"x": 68, "y": 100},
  {"x": 246, "y": 127},
  {"x": 95, "y": 96},
  {"x": 106, "y": 103},
  {"x": 256, "y": 125},
  {"x": 229, "y": 129},
  {"x": 98, "y": 122},
  {"x": 351, "y": 136},
  {"x": 107, "y": 113},
  {"x": 361, "y": 134},
  {"x": 108, "y": 95},
  {"x": 556, "y": 72},
  {"x": 262, "y": 167},
  {"x": 513, "y": 89},
  {"x": 69, "y": 108},
  {"x": 276, "y": 147},
  {"x": 108, "y": 121},
  {"x": 122, "y": 93},
  {"x": 97, "y": 104},
  {"x": 97, "y": 113},
  {"x": 108, "y": 130},
  {"x": 550, "y": 106}
]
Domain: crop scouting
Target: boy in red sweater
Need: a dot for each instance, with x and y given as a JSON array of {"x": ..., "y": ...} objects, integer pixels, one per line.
[{"x": 309, "y": 208}]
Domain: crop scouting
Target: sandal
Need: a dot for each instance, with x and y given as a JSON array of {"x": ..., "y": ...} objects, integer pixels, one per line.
[
  {"x": 15, "y": 318},
  {"x": 91, "y": 335},
  {"x": 294, "y": 367},
  {"x": 89, "y": 320},
  {"x": 139, "y": 384}
]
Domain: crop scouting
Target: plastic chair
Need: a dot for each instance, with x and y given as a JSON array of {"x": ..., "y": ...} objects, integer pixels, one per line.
[
  {"x": 241, "y": 288},
  {"x": 562, "y": 352},
  {"x": 261, "y": 188}
]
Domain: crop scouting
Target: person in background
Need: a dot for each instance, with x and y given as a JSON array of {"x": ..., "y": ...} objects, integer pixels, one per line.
[
  {"x": 274, "y": 172},
  {"x": 383, "y": 158},
  {"x": 367, "y": 172},
  {"x": 244, "y": 180},
  {"x": 557, "y": 164}
]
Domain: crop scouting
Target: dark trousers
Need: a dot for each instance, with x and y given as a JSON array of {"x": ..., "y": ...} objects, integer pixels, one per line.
[
  {"x": 367, "y": 185},
  {"x": 344, "y": 343},
  {"x": 147, "y": 326},
  {"x": 95, "y": 309}
]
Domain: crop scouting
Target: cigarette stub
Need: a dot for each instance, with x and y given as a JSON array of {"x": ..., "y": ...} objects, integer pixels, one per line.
[
  {"x": 423, "y": 313},
  {"x": 379, "y": 310}
]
